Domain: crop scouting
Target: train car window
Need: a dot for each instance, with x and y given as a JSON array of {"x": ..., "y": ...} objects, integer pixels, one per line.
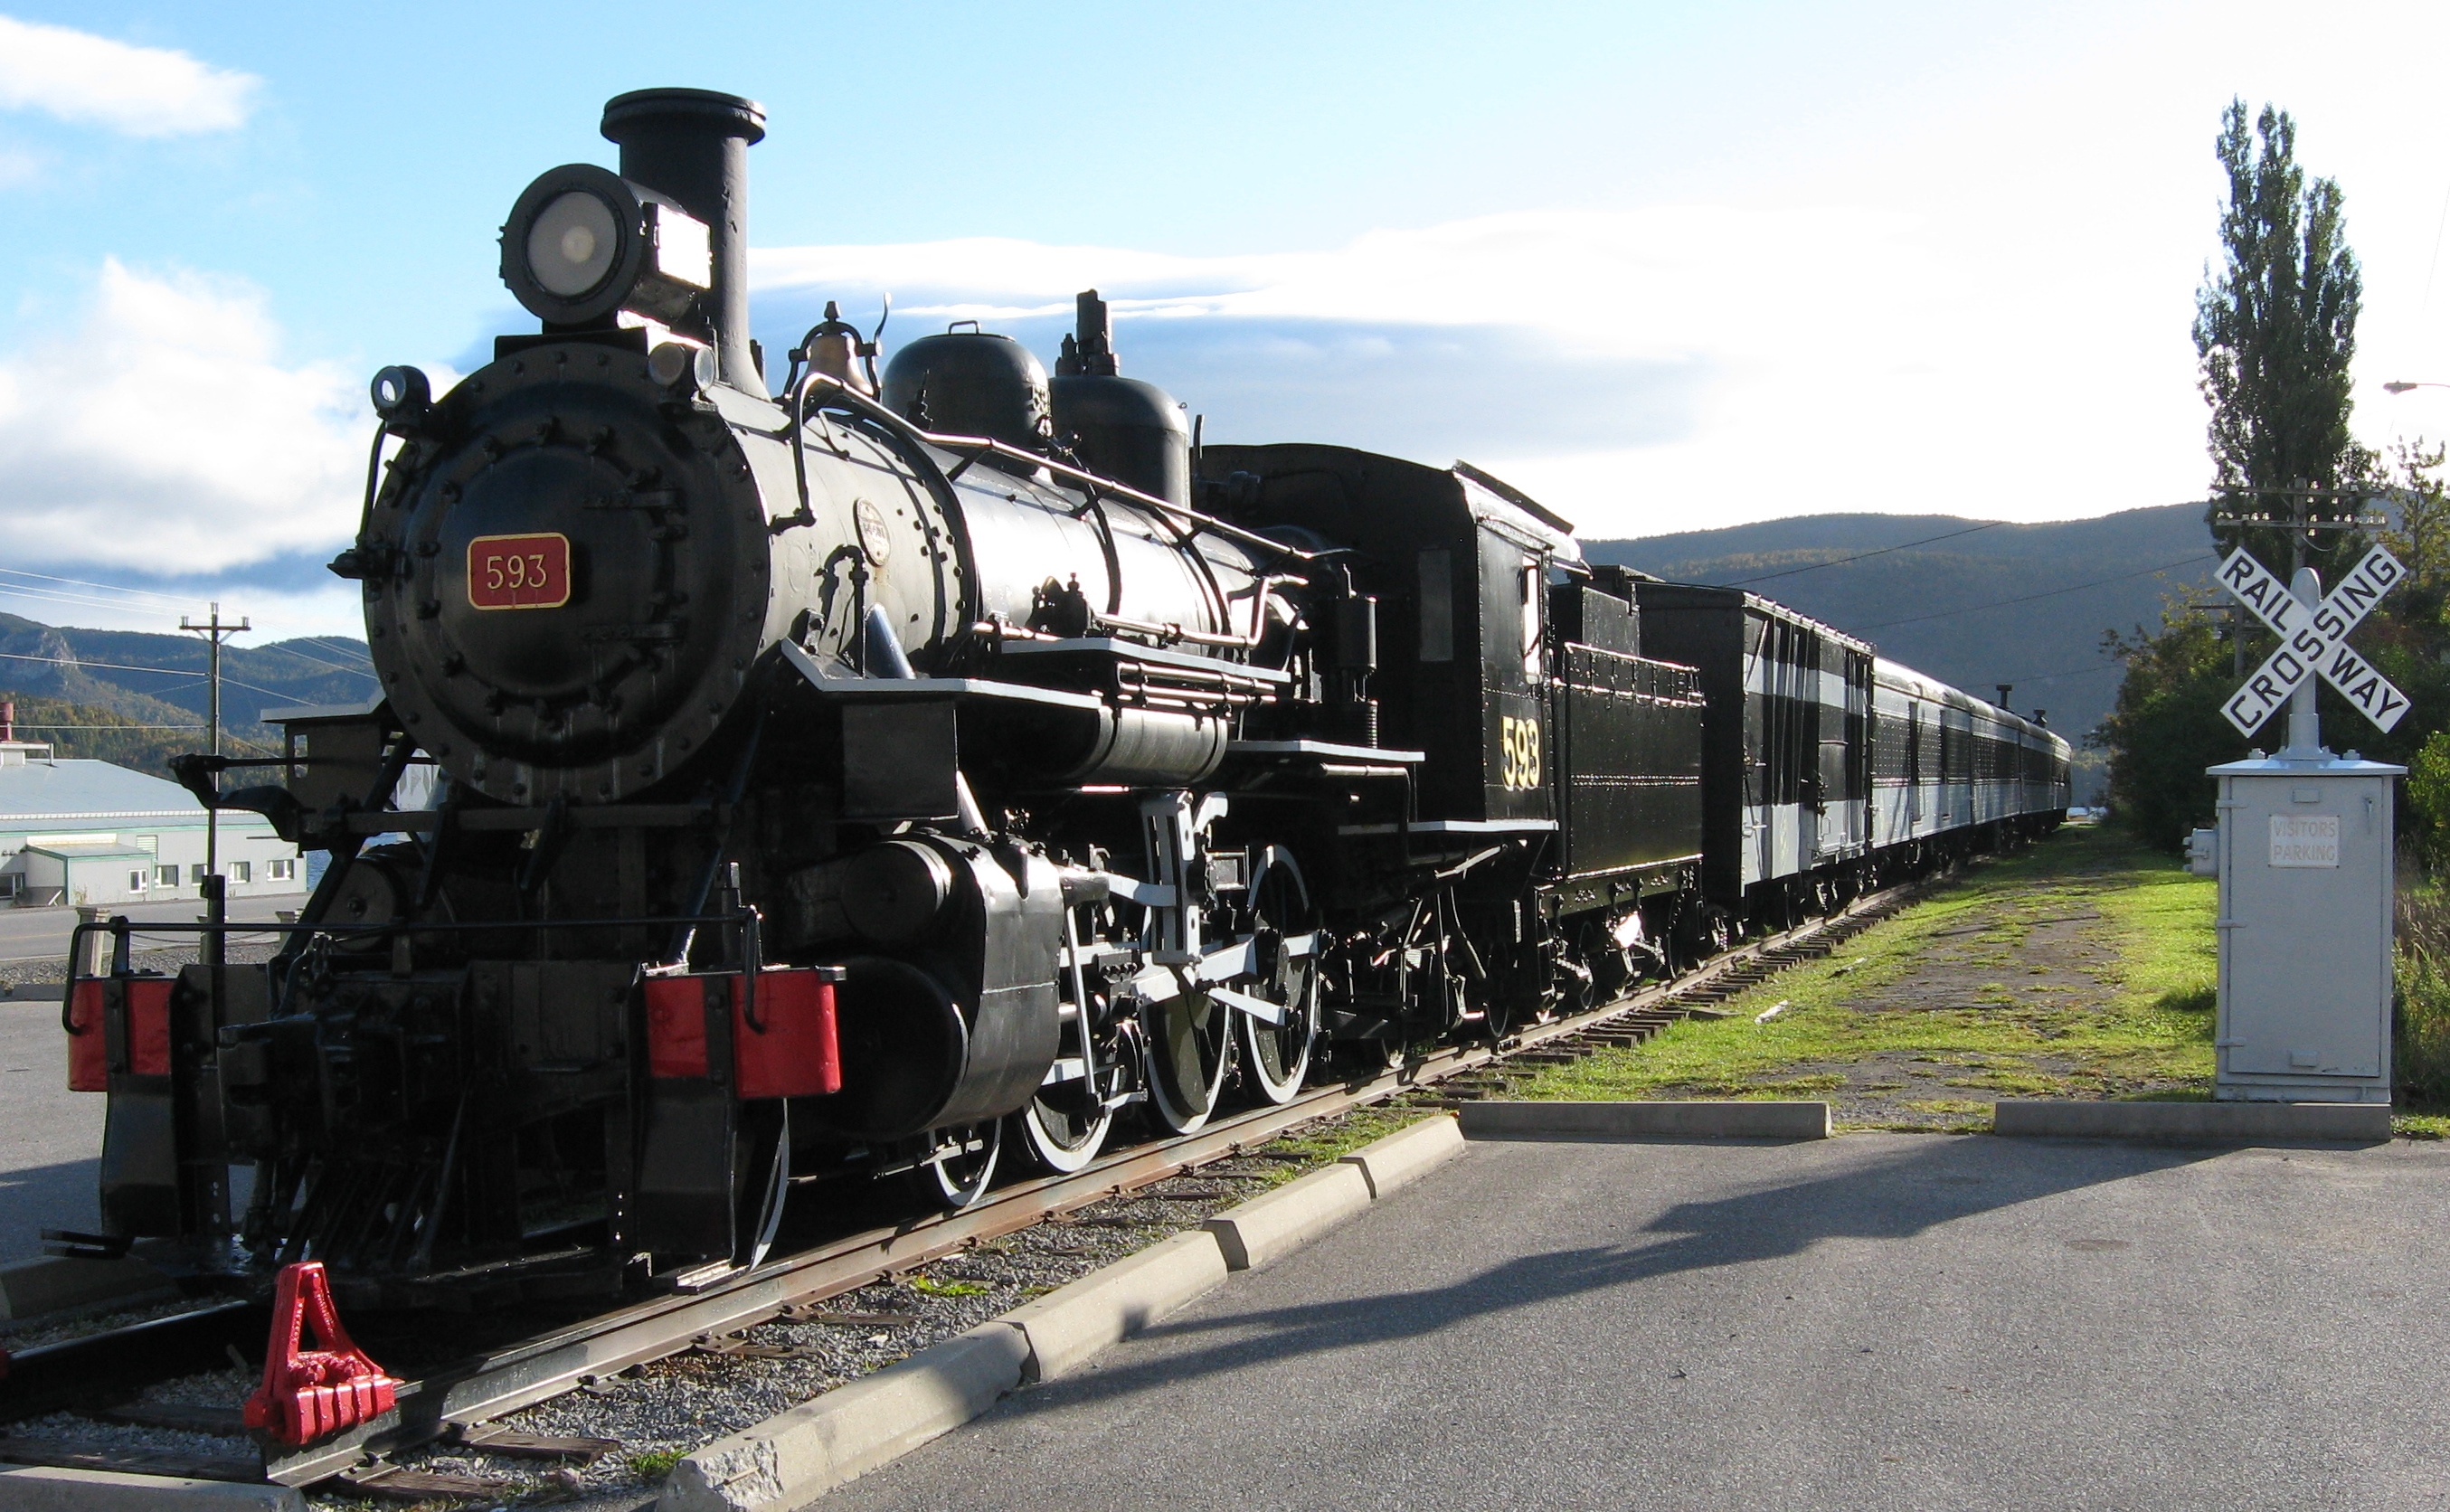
[
  {"x": 1437, "y": 607},
  {"x": 1534, "y": 580}
]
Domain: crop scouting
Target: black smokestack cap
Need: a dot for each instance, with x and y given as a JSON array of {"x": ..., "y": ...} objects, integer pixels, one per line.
[{"x": 693, "y": 146}]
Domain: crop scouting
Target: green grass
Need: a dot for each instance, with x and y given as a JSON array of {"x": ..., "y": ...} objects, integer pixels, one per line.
[
  {"x": 1306, "y": 1149},
  {"x": 2142, "y": 1022},
  {"x": 653, "y": 1465}
]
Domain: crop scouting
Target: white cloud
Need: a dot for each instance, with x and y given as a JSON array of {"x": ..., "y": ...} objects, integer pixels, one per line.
[
  {"x": 1642, "y": 371},
  {"x": 142, "y": 91},
  {"x": 167, "y": 435}
]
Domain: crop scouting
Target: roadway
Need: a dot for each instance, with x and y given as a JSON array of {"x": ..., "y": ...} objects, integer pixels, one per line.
[
  {"x": 42, "y": 934},
  {"x": 51, "y": 1138},
  {"x": 1875, "y": 1321}
]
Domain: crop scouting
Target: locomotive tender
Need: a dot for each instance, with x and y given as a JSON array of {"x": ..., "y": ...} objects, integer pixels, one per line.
[{"x": 842, "y": 778}]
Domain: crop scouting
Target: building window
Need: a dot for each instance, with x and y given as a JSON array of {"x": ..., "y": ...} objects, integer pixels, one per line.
[
  {"x": 136, "y": 881},
  {"x": 9, "y": 884},
  {"x": 239, "y": 871},
  {"x": 196, "y": 873},
  {"x": 280, "y": 871},
  {"x": 165, "y": 875}
]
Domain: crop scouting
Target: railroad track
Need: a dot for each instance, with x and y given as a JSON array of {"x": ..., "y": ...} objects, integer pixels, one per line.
[{"x": 94, "y": 1372}]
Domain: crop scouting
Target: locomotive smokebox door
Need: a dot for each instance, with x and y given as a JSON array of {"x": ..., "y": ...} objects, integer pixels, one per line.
[{"x": 900, "y": 760}]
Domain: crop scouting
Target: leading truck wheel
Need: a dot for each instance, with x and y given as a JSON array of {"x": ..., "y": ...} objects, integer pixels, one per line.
[
  {"x": 962, "y": 1165},
  {"x": 1276, "y": 1057}
]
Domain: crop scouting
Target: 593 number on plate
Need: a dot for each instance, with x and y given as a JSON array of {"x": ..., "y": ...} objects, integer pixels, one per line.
[
  {"x": 1519, "y": 740},
  {"x": 518, "y": 572}
]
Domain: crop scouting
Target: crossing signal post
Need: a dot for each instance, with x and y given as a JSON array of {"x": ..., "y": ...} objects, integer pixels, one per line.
[{"x": 2304, "y": 853}]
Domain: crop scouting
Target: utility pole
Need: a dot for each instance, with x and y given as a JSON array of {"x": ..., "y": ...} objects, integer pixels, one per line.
[
  {"x": 2302, "y": 524},
  {"x": 214, "y": 632}
]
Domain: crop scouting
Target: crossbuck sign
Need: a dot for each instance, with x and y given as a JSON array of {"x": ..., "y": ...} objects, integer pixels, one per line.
[{"x": 2313, "y": 638}]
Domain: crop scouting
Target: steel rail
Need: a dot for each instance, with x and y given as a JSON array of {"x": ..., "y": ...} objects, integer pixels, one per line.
[
  {"x": 539, "y": 1369},
  {"x": 535, "y": 1370}
]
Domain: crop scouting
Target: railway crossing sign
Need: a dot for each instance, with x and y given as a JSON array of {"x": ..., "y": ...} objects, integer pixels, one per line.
[{"x": 2313, "y": 639}]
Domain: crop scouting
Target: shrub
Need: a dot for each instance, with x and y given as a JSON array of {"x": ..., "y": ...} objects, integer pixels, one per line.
[{"x": 2422, "y": 1013}]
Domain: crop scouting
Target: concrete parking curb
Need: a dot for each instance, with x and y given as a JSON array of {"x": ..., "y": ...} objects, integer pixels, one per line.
[
  {"x": 791, "y": 1459},
  {"x": 2193, "y": 1122},
  {"x": 1068, "y": 1326},
  {"x": 41, "y": 1489},
  {"x": 1406, "y": 1156},
  {"x": 1645, "y": 1120},
  {"x": 1277, "y": 1223},
  {"x": 29, "y": 1288}
]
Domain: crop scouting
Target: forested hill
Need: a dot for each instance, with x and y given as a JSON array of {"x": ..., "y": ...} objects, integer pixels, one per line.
[
  {"x": 156, "y": 679},
  {"x": 2021, "y": 604}
]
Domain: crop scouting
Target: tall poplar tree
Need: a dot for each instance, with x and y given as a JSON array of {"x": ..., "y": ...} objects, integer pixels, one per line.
[{"x": 2275, "y": 329}]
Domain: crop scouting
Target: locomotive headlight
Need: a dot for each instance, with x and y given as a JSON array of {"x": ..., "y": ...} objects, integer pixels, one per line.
[
  {"x": 582, "y": 243},
  {"x": 571, "y": 245}
]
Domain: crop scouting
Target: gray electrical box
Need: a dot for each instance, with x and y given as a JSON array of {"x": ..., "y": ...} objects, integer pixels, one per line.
[{"x": 2305, "y": 857}]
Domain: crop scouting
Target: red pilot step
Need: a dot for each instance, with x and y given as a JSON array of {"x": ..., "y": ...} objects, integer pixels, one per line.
[{"x": 310, "y": 1393}]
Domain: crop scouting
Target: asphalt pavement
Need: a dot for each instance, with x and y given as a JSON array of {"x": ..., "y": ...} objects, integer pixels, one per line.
[
  {"x": 1877, "y": 1321},
  {"x": 42, "y": 934},
  {"x": 51, "y": 1138}
]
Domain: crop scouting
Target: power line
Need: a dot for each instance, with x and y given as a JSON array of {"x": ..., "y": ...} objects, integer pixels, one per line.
[
  {"x": 291, "y": 651},
  {"x": 1858, "y": 556},
  {"x": 53, "y": 595},
  {"x": 2023, "y": 678},
  {"x": 113, "y": 667},
  {"x": 338, "y": 647},
  {"x": 166, "y": 671},
  {"x": 110, "y": 588},
  {"x": 22, "y": 724},
  {"x": 1969, "y": 609}
]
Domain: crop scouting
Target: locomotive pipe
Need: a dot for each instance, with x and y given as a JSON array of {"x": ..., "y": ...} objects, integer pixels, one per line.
[{"x": 693, "y": 146}]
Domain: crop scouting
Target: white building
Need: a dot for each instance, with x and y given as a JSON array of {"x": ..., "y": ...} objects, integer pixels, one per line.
[{"x": 90, "y": 832}]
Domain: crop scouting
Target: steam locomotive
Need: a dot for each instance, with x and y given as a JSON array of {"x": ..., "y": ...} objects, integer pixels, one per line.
[{"x": 875, "y": 774}]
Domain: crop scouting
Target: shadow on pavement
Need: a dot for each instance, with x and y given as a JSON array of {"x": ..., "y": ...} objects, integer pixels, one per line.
[
  {"x": 33, "y": 1198},
  {"x": 1944, "y": 1178}
]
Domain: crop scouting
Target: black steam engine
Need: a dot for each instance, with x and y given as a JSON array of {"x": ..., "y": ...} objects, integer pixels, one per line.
[{"x": 870, "y": 775}]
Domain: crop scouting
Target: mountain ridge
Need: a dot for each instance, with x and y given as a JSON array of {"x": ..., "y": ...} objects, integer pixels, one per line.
[{"x": 1973, "y": 602}]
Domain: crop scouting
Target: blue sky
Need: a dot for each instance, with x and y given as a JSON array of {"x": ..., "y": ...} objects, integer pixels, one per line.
[{"x": 1667, "y": 266}]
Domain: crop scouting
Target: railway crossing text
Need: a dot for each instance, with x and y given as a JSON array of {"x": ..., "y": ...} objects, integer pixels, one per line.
[{"x": 2313, "y": 639}]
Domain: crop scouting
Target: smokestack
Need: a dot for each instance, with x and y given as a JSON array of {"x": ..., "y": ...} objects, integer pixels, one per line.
[
  {"x": 8, "y": 719},
  {"x": 693, "y": 146}
]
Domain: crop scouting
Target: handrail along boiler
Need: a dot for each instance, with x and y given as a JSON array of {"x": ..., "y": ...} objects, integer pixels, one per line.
[{"x": 863, "y": 775}]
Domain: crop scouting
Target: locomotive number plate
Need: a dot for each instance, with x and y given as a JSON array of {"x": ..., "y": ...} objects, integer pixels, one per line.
[
  {"x": 1519, "y": 738},
  {"x": 518, "y": 572}
]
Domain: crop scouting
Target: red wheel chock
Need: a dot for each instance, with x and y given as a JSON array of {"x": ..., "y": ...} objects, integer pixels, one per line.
[{"x": 308, "y": 1393}]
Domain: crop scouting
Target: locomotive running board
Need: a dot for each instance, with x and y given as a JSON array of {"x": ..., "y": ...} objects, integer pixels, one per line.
[{"x": 895, "y": 687}]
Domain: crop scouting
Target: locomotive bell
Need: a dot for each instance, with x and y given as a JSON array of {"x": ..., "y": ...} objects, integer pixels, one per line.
[{"x": 834, "y": 348}]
